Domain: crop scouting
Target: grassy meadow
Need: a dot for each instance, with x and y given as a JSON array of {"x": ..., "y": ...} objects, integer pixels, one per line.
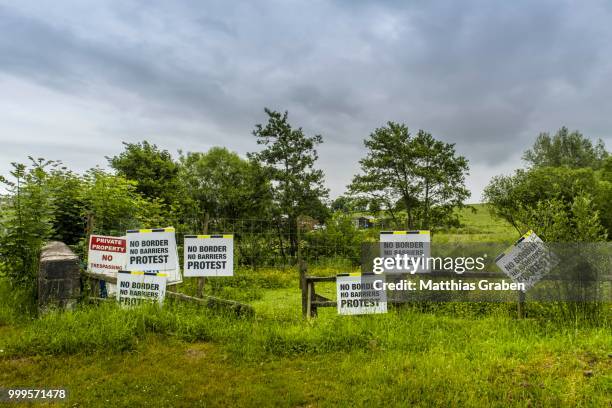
[{"x": 453, "y": 354}]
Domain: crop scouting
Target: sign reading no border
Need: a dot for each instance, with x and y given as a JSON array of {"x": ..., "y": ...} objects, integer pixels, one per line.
[
  {"x": 151, "y": 250},
  {"x": 135, "y": 287},
  {"x": 527, "y": 261},
  {"x": 414, "y": 244},
  {"x": 209, "y": 255},
  {"x": 356, "y": 295}
]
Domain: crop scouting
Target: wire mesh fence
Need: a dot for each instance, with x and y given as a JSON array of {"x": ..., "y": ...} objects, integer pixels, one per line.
[{"x": 279, "y": 243}]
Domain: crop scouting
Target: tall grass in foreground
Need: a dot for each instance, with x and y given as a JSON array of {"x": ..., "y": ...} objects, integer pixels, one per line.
[{"x": 109, "y": 328}]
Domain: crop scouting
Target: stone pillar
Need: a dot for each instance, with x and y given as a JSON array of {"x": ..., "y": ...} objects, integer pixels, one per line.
[{"x": 59, "y": 284}]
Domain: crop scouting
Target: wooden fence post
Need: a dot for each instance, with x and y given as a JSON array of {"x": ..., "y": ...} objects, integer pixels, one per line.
[
  {"x": 303, "y": 284},
  {"x": 201, "y": 281},
  {"x": 521, "y": 304}
]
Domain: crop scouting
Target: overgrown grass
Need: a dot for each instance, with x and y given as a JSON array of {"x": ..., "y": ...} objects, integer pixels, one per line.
[
  {"x": 425, "y": 357},
  {"x": 427, "y": 354}
]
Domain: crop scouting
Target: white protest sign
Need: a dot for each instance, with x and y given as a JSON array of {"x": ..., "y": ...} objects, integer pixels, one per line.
[
  {"x": 209, "y": 255},
  {"x": 106, "y": 254},
  {"x": 355, "y": 294},
  {"x": 413, "y": 244},
  {"x": 135, "y": 287},
  {"x": 527, "y": 261},
  {"x": 151, "y": 250}
]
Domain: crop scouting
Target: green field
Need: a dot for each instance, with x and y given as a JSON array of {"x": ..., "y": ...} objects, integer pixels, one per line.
[{"x": 454, "y": 354}]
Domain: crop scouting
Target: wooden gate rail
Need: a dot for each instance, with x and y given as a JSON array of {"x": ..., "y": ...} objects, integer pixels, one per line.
[{"x": 213, "y": 302}]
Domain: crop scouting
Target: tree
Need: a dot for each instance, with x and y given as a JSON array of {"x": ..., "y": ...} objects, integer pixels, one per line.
[
  {"x": 114, "y": 206},
  {"x": 565, "y": 148},
  {"x": 152, "y": 168},
  {"x": 421, "y": 174},
  {"x": 348, "y": 204},
  {"x": 221, "y": 184},
  {"x": 289, "y": 157},
  {"x": 26, "y": 220},
  {"x": 510, "y": 196},
  {"x": 66, "y": 189}
]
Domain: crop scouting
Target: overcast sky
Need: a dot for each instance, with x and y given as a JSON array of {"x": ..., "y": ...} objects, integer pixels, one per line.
[{"x": 77, "y": 78}]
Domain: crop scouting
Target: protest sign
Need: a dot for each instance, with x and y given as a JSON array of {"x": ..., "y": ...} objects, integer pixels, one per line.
[
  {"x": 209, "y": 255},
  {"x": 106, "y": 254},
  {"x": 413, "y": 244},
  {"x": 527, "y": 261},
  {"x": 355, "y": 294},
  {"x": 135, "y": 287},
  {"x": 151, "y": 250}
]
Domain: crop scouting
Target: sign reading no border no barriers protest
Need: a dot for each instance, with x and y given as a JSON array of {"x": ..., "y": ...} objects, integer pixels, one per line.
[
  {"x": 106, "y": 254},
  {"x": 209, "y": 255},
  {"x": 527, "y": 261},
  {"x": 135, "y": 287},
  {"x": 356, "y": 295},
  {"x": 414, "y": 244},
  {"x": 153, "y": 250}
]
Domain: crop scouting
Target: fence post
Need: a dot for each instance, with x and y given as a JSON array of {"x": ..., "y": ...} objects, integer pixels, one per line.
[
  {"x": 521, "y": 304},
  {"x": 309, "y": 299},
  {"x": 303, "y": 269},
  {"x": 201, "y": 281}
]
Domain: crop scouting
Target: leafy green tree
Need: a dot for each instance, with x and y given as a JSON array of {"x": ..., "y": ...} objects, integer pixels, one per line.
[
  {"x": 113, "y": 205},
  {"x": 223, "y": 185},
  {"x": 289, "y": 157},
  {"x": 606, "y": 170},
  {"x": 348, "y": 204},
  {"x": 339, "y": 239},
  {"x": 509, "y": 196},
  {"x": 152, "y": 168},
  {"x": 565, "y": 148},
  {"x": 66, "y": 192},
  {"x": 421, "y": 174},
  {"x": 26, "y": 220}
]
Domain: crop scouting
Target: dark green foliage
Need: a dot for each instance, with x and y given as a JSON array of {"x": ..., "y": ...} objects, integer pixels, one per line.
[
  {"x": 152, "y": 168},
  {"x": 417, "y": 174},
  {"x": 223, "y": 185},
  {"x": 26, "y": 221},
  {"x": 66, "y": 189},
  {"x": 348, "y": 204},
  {"x": 113, "y": 205},
  {"x": 339, "y": 239},
  {"x": 565, "y": 148},
  {"x": 563, "y": 198},
  {"x": 514, "y": 197}
]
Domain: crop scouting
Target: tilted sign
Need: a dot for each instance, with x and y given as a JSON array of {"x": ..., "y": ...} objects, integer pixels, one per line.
[
  {"x": 413, "y": 244},
  {"x": 356, "y": 294},
  {"x": 106, "y": 255},
  {"x": 209, "y": 255},
  {"x": 527, "y": 261},
  {"x": 135, "y": 287},
  {"x": 153, "y": 250}
]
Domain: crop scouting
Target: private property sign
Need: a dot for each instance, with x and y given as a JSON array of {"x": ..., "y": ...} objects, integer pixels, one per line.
[
  {"x": 106, "y": 254},
  {"x": 135, "y": 287},
  {"x": 209, "y": 255},
  {"x": 355, "y": 294}
]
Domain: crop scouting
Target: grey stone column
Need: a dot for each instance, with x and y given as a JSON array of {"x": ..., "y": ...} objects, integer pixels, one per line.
[{"x": 59, "y": 284}]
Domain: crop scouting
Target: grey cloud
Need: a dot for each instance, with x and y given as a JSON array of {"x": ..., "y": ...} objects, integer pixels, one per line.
[{"x": 487, "y": 76}]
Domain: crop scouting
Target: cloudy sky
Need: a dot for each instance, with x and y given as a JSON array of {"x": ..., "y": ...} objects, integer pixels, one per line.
[{"x": 77, "y": 78}]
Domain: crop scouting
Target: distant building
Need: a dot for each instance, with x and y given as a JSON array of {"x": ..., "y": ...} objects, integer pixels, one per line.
[{"x": 364, "y": 221}]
